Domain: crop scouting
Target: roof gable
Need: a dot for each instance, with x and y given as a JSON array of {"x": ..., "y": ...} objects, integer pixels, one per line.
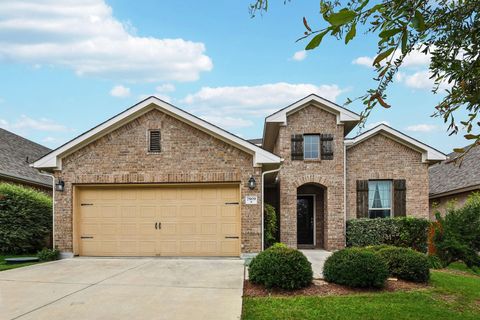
[
  {"x": 343, "y": 115},
  {"x": 429, "y": 154},
  {"x": 280, "y": 118},
  {"x": 53, "y": 160}
]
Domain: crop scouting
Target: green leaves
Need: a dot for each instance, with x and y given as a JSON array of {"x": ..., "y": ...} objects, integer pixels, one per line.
[
  {"x": 385, "y": 34},
  {"x": 315, "y": 42},
  {"x": 351, "y": 33},
  {"x": 342, "y": 17},
  {"x": 418, "y": 21},
  {"x": 382, "y": 55}
]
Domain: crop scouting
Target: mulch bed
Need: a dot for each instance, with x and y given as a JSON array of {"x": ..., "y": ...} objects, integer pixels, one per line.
[{"x": 322, "y": 288}]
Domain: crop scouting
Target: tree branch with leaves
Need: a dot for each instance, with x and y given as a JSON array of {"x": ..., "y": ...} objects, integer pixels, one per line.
[{"x": 447, "y": 30}]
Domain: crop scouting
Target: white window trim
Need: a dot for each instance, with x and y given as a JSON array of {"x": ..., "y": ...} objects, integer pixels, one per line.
[
  {"x": 319, "y": 148},
  {"x": 391, "y": 199}
]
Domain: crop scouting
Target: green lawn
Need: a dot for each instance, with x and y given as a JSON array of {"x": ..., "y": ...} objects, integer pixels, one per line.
[
  {"x": 452, "y": 296},
  {"x": 4, "y": 266}
]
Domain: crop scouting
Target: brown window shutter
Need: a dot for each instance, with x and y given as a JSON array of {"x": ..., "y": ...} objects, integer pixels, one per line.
[
  {"x": 399, "y": 198},
  {"x": 297, "y": 147},
  {"x": 362, "y": 198},
  {"x": 154, "y": 141},
  {"x": 326, "y": 144}
]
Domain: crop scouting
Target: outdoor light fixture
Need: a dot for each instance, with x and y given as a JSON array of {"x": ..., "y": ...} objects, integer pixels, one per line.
[
  {"x": 60, "y": 185},
  {"x": 252, "y": 183}
]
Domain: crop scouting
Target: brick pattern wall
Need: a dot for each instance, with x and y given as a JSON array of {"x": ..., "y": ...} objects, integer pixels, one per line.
[
  {"x": 328, "y": 173},
  {"x": 380, "y": 157},
  {"x": 188, "y": 156}
]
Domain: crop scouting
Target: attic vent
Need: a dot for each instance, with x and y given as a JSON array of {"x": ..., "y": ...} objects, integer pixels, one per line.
[{"x": 154, "y": 141}]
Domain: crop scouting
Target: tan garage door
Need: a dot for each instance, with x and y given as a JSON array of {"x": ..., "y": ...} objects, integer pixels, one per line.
[{"x": 158, "y": 221}]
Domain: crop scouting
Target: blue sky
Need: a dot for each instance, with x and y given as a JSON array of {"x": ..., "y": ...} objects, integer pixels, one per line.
[{"x": 65, "y": 66}]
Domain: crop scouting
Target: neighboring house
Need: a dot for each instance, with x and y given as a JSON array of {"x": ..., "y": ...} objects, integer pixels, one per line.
[
  {"x": 156, "y": 180},
  {"x": 16, "y": 155},
  {"x": 453, "y": 180}
]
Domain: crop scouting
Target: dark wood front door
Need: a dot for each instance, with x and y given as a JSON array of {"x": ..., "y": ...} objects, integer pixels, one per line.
[{"x": 305, "y": 218}]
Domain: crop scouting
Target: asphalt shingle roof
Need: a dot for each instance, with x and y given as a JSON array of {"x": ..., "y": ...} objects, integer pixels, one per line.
[
  {"x": 450, "y": 175},
  {"x": 14, "y": 151}
]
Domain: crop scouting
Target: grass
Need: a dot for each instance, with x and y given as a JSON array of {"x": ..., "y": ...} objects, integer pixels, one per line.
[
  {"x": 462, "y": 267},
  {"x": 4, "y": 266},
  {"x": 452, "y": 296}
]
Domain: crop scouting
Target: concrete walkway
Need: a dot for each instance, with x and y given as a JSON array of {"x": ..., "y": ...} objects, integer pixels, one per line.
[
  {"x": 136, "y": 288},
  {"x": 317, "y": 259}
]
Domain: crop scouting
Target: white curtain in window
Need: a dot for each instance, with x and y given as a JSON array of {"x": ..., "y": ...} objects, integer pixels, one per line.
[{"x": 379, "y": 194}]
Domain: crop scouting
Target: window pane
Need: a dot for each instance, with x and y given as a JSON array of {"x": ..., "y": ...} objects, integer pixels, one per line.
[
  {"x": 379, "y": 194},
  {"x": 311, "y": 144},
  {"x": 379, "y": 213}
]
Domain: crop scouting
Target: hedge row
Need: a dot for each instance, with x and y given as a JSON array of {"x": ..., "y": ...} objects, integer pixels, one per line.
[
  {"x": 401, "y": 232},
  {"x": 25, "y": 219}
]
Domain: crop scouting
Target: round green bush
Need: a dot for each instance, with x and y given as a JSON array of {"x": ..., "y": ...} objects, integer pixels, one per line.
[
  {"x": 355, "y": 267},
  {"x": 25, "y": 219},
  {"x": 281, "y": 267},
  {"x": 406, "y": 264}
]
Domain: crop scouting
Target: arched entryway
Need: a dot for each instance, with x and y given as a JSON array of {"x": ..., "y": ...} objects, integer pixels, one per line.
[{"x": 311, "y": 213}]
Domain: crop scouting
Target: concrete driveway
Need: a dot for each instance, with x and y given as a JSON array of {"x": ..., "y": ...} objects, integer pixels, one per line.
[{"x": 136, "y": 288}]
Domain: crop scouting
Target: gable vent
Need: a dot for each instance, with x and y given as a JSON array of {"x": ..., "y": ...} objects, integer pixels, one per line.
[{"x": 154, "y": 141}]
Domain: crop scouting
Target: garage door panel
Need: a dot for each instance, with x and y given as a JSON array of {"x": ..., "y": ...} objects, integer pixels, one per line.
[
  {"x": 194, "y": 221},
  {"x": 128, "y": 212}
]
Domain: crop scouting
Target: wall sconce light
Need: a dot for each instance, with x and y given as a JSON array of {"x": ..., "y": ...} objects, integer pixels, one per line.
[
  {"x": 252, "y": 183},
  {"x": 60, "y": 185}
]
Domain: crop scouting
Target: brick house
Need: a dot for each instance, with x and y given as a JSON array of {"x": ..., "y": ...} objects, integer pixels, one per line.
[
  {"x": 158, "y": 181},
  {"x": 452, "y": 181}
]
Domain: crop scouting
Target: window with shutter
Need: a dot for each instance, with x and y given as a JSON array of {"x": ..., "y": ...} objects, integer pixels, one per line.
[
  {"x": 154, "y": 141},
  {"x": 297, "y": 147},
  {"x": 326, "y": 146},
  {"x": 399, "y": 198}
]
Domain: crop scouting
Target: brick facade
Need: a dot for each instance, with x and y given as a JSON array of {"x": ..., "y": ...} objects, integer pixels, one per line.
[
  {"x": 326, "y": 173},
  {"x": 188, "y": 156},
  {"x": 380, "y": 157}
]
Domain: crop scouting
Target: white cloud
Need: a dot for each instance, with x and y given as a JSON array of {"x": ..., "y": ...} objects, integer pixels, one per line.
[
  {"x": 364, "y": 61},
  {"x": 416, "y": 58},
  {"x": 164, "y": 88},
  {"x": 255, "y": 100},
  {"x": 236, "y": 106},
  {"x": 299, "y": 55},
  {"x": 25, "y": 123},
  {"x": 422, "y": 127},
  {"x": 419, "y": 80},
  {"x": 228, "y": 122},
  {"x": 120, "y": 91},
  {"x": 83, "y": 35},
  {"x": 374, "y": 124}
]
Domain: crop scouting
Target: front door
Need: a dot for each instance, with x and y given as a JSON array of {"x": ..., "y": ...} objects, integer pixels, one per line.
[{"x": 305, "y": 220}]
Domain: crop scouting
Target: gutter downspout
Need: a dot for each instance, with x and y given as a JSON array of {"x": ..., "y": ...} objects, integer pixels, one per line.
[
  {"x": 345, "y": 192},
  {"x": 53, "y": 204},
  {"x": 263, "y": 204}
]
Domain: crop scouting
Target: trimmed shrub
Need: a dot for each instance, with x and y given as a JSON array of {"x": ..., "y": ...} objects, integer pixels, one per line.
[
  {"x": 281, "y": 267},
  {"x": 406, "y": 264},
  {"x": 48, "y": 254},
  {"x": 270, "y": 226},
  {"x": 401, "y": 232},
  {"x": 25, "y": 219},
  {"x": 356, "y": 267},
  {"x": 457, "y": 236}
]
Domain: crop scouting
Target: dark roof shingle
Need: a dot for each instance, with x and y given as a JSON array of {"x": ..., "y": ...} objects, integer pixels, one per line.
[
  {"x": 14, "y": 151},
  {"x": 450, "y": 175}
]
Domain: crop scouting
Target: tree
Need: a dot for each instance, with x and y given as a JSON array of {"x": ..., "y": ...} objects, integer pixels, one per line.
[{"x": 447, "y": 30}]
